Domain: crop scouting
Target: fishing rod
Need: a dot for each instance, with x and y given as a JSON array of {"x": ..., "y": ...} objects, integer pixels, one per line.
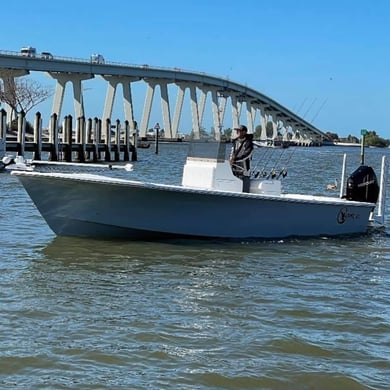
[
  {"x": 289, "y": 158},
  {"x": 302, "y": 104},
  {"x": 309, "y": 108},
  {"x": 272, "y": 173},
  {"x": 263, "y": 171},
  {"x": 323, "y": 104},
  {"x": 263, "y": 159}
]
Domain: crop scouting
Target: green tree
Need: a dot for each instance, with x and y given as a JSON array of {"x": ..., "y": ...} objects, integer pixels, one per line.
[
  {"x": 372, "y": 139},
  {"x": 228, "y": 133}
]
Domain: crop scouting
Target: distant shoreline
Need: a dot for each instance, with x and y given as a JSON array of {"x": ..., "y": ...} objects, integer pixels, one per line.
[
  {"x": 349, "y": 144},
  {"x": 341, "y": 144}
]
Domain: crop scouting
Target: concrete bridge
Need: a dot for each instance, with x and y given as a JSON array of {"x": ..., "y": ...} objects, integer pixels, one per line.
[{"x": 247, "y": 105}]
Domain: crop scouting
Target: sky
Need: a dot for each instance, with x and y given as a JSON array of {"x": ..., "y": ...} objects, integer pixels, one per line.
[{"x": 328, "y": 61}]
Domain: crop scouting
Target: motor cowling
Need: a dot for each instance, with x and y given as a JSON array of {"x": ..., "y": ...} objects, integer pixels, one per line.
[{"x": 362, "y": 185}]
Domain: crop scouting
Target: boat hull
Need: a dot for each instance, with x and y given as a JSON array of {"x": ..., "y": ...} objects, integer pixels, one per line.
[{"x": 91, "y": 206}]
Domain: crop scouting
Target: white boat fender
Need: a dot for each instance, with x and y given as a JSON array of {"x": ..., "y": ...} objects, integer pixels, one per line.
[{"x": 7, "y": 160}]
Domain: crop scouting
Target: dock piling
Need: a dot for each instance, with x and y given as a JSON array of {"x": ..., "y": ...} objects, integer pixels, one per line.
[{"x": 66, "y": 143}]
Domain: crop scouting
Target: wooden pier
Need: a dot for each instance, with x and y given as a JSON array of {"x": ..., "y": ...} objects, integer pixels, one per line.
[{"x": 89, "y": 141}]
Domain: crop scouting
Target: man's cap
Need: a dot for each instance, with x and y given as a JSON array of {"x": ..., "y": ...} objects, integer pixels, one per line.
[{"x": 241, "y": 128}]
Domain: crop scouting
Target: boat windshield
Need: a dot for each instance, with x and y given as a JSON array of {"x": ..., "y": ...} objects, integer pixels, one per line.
[{"x": 207, "y": 150}]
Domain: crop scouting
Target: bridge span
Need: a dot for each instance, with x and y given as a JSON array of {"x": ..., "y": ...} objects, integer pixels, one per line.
[{"x": 247, "y": 105}]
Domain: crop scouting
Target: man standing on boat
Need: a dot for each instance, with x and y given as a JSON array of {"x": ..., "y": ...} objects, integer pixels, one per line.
[{"x": 241, "y": 155}]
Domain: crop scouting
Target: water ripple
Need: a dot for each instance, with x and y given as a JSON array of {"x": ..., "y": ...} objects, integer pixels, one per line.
[{"x": 288, "y": 314}]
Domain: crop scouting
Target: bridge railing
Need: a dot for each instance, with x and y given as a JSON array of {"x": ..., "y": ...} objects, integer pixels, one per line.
[{"x": 114, "y": 63}]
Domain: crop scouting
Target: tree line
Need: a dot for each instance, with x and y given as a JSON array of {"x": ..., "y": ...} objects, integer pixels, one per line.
[{"x": 370, "y": 139}]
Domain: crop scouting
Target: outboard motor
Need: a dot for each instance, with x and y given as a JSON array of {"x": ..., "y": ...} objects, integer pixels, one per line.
[{"x": 362, "y": 185}]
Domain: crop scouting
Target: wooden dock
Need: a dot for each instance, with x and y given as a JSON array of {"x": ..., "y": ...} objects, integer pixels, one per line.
[{"x": 89, "y": 141}]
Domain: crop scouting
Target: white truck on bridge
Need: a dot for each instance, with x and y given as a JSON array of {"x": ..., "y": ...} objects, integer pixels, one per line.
[
  {"x": 97, "y": 59},
  {"x": 28, "y": 51}
]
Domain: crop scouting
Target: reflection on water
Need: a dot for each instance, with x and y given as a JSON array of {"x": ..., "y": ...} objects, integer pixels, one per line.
[{"x": 295, "y": 314}]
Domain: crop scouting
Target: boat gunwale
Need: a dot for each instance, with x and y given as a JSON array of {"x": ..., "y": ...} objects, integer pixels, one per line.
[{"x": 102, "y": 179}]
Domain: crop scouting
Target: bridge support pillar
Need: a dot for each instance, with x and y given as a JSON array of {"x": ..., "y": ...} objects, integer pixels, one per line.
[
  {"x": 166, "y": 112},
  {"x": 217, "y": 114},
  {"x": 113, "y": 82},
  {"x": 250, "y": 116},
  {"x": 62, "y": 79},
  {"x": 201, "y": 104},
  {"x": 147, "y": 107},
  {"x": 275, "y": 125},
  {"x": 195, "y": 113},
  {"x": 235, "y": 113},
  {"x": 178, "y": 108},
  {"x": 296, "y": 137},
  {"x": 222, "y": 105},
  {"x": 264, "y": 123}
]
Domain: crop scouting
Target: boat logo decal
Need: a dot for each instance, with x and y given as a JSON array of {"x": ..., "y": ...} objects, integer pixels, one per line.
[{"x": 344, "y": 215}]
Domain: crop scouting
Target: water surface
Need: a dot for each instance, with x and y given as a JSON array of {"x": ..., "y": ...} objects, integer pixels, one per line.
[{"x": 285, "y": 314}]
